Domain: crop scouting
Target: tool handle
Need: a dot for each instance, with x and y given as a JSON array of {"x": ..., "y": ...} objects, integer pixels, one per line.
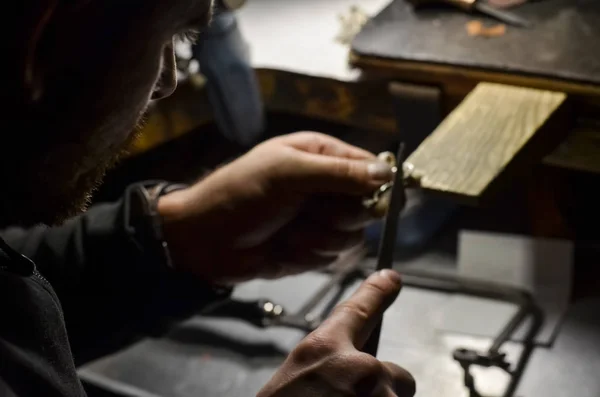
[{"x": 466, "y": 5}]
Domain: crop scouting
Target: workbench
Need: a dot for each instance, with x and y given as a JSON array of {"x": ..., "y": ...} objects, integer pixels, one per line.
[
  {"x": 301, "y": 67},
  {"x": 304, "y": 71}
]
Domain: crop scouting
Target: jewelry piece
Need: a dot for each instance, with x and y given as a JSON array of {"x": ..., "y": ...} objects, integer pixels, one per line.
[
  {"x": 379, "y": 201},
  {"x": 390, "y": 158}
]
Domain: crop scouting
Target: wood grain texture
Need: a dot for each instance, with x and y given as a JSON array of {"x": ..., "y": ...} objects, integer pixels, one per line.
[
  {"x": 364, "y": 104},
  {"x": 482, "y": 137}
]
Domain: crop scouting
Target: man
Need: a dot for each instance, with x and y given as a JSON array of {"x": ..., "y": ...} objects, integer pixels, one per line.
[{"x": 80, "y": 75}]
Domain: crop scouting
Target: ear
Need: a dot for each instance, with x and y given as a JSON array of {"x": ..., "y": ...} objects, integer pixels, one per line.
[{"x": 36, "y": 19}]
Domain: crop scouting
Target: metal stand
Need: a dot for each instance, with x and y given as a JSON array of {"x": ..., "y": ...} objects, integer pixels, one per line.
[
  {"x": 493, "y": 357},
  {"x": 265, "y": 313}
]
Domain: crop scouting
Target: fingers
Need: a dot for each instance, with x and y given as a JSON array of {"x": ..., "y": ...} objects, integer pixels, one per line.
[
  {"x": 317, "y": 163},
  {"x": 403, "y": 383},
  {"x": 356, "y": 318},
  {"x": 313, "y": 142},
  {"x": 342, "y": 213},
  {"x": 308, "y": 238},
  {"x": 315, "y": 173},
  {"x": 328, "y": 226},
  {"x": 288, "y": 264}
]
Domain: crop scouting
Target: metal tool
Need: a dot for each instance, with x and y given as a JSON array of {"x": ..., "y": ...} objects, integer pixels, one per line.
[
  {"x": 529, "y": 315},
  {"x": 379, "y": 202},
  {"x": 265, "y": 313},
  {"x": 397, "y": 201},
  {"x": 480, "y": 6}
]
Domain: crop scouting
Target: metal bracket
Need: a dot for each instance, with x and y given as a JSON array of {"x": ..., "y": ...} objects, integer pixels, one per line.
[
  {"x": 350, "y": 270},
  {"x": 493, "y": 357},
  {"x": 265, "y": 313}
]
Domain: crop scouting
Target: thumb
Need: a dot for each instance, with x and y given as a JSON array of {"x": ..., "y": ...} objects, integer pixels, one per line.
[
  {"x": 316, "y": 173},
  {"x": 354, "y": 319}
]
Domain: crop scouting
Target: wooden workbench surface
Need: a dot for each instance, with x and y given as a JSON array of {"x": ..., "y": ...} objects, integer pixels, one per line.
[
  {"x": 494, "y": 132},
  {"x": 304, "y": 70},
  {"x": 562, "y": 45}
]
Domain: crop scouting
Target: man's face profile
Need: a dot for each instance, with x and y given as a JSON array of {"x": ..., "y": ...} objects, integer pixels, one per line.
[{"x": 86, "y": 71}]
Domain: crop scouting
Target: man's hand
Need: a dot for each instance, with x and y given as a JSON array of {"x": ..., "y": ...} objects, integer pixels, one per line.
[
  {"x": 289, "y": 205},
  {"x": 329, "y": 363}
]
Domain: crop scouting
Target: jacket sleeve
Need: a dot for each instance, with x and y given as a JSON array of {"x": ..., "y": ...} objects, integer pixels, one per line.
[{"x": 111, "y": 290}]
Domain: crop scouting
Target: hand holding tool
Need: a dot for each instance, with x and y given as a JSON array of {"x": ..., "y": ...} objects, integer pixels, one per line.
[{"x": 478, "y": 6}]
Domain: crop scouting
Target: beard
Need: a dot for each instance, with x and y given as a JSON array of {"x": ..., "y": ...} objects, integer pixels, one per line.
[{"x": 52, "y": 184}]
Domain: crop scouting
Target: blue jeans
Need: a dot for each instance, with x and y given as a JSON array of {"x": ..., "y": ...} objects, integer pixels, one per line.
[{"x": 232, "y": 85}]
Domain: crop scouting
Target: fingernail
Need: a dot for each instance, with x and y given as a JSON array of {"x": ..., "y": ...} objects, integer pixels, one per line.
[
  {"x": 380, "y": 171},
  {"x": 391, "y": 275}
]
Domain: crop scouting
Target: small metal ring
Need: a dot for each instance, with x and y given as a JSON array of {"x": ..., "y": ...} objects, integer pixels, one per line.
[{"x": 371, "y": 201}]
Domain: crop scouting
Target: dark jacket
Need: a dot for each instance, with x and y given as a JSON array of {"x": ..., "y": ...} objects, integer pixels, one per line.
[{"x": 91, "y": 291}]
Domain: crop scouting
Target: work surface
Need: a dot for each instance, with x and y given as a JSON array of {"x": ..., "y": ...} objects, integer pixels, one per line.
[
  {"x": 217, "y": 358},
  {"x": 300, "y": 35},
  {"x": 228, "y": 358},
  {"x": 562, "y": 44},
  {"x": 224, "y": 357}
]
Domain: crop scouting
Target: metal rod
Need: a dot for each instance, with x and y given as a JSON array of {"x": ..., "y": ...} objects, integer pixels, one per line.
[
  {"x": 387, "y": 244},
  {"x": 334, "y": 299},
  {"x": 345, "y": 266},
  {"x": 509, "y": 329},
  {"x": 528, "y": 346},
  {"x": 456, "y": 284},
  {"x": 527, "y": 308},
  {"x": 502, "y": 16}
]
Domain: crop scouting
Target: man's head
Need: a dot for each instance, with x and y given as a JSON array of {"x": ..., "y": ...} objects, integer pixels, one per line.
[{"x": 81, "y": 75}]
